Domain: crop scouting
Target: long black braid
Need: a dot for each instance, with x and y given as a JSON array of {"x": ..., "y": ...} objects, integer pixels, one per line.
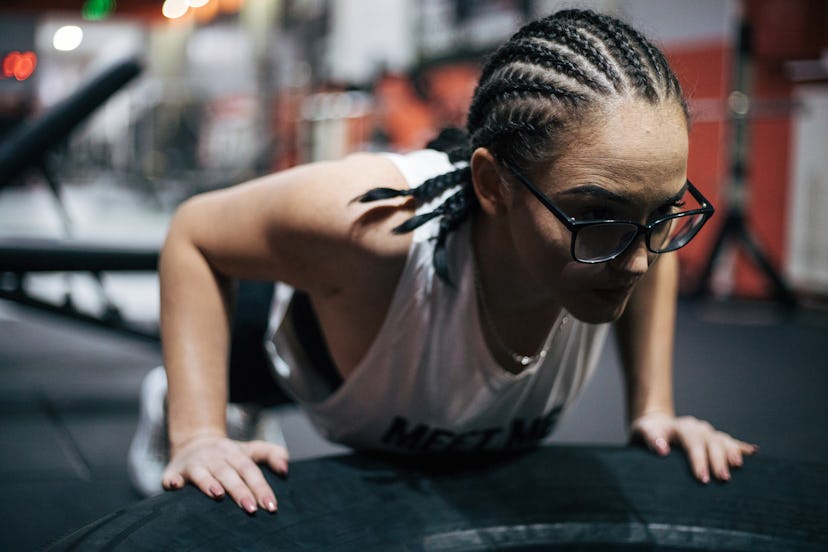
[{"x": 550, "y": 74}]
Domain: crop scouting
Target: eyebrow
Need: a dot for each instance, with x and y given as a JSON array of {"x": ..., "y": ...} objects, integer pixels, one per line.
[
  {"x": 599, "y": 192},
  {"x": 676, "y": 197}
]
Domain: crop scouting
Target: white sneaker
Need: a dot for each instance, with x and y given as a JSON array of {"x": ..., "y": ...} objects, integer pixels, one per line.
[{"x": 149, "y": 451}]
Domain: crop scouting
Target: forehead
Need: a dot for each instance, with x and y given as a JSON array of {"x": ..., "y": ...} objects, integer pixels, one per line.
[{"x": 630, "y": 147}]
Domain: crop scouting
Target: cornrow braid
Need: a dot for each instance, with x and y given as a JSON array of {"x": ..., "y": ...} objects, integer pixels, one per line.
[
  {"x": 454, "y": 210},
  {"x": 433, "y": 187},
  {"x": 548, "y": 78},
  {"x": 610, "y": 32},
  {"x": 513, "y": 87},
  {"x": 458, "y": 207},
  {"x": 543, "y": 57},
  {"x": 653, "y": 57},
  {"x": 451, "y": 210},
  {"x": 576, "y": 41},
  {"x": 423, "y": 193},
  {"x": 454, "y": 142},
  {"x": 662, "y": 69}
]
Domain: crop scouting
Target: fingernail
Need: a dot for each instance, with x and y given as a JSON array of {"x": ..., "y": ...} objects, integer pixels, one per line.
[
  {"x": 216, "y": 491},
  {"x": 270, "y": 504},
  {"x": 248, "y": 505},
  {"x": 661, "y": 446},
  {"x": 705, "y": 478}
]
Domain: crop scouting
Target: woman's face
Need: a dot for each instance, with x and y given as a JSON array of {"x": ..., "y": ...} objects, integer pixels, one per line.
[{"x": 628, "y": 164}]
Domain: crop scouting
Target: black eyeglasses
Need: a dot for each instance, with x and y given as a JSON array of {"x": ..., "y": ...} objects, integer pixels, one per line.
[{"x": 599, "y": 241}]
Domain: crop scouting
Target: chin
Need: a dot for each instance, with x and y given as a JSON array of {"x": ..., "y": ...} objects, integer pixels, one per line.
[{"x": 597, "y": 311}]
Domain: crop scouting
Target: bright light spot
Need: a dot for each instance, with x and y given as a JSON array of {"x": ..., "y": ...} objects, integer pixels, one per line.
[
  {"x": 67, "y": 38},
  {"x": 19, "y": 65},
  {"x": 197, "y": 3},
  {"x": 173, "y": 9},
  {"x": 97, "y": 10}
]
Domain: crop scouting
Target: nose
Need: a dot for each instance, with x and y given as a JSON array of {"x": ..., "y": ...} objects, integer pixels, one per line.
[{"x": 636, "y": 259}]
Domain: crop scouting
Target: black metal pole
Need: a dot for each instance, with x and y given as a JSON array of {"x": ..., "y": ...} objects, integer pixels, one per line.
[{"x": 735, "y": 228}]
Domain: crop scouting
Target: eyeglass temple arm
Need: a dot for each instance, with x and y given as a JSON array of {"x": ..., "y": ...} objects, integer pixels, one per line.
[
  {"x": 567, "y": 221},
  {"x": 703, "y": 201}
]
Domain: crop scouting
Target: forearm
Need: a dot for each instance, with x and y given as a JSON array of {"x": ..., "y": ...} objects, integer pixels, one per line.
[
  {"x": 194, "y": 332},
  {"x": 645, "y": 334}
]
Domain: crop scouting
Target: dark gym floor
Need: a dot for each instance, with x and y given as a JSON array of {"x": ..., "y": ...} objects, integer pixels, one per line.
[{"x": 69, "y": 403}]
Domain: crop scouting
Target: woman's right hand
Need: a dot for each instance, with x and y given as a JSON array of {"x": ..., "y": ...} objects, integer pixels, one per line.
[{"x": 218, "y": 465}]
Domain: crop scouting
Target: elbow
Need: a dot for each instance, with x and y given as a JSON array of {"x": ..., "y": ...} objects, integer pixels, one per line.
[{"x": 180, "y": 236}]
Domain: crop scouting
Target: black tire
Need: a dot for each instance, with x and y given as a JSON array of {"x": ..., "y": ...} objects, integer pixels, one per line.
[{"x": 554, "y": 498}]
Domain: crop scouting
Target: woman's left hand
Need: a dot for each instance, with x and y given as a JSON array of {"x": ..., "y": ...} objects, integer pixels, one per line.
[{"x": 709, "y": 450}]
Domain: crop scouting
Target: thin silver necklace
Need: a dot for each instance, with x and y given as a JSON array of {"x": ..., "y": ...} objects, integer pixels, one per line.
[{"x": 517, "y": 358}]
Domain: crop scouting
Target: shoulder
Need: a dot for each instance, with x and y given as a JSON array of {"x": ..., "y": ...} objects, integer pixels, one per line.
[{"x": 304, "y": 226}]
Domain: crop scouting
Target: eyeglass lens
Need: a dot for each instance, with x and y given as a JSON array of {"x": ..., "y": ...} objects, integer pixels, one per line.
[
  {"x": 599, "y": 241},
  {"x": 603, "y": 241}
]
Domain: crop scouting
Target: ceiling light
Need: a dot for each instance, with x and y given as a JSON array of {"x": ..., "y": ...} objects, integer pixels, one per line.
[
  {"x": 67, "y": 38},
  {"x": 173, "y": 9}
]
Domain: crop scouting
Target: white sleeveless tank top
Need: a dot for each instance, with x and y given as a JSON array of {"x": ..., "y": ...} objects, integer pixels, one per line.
[{"x": 428, "y": 382}]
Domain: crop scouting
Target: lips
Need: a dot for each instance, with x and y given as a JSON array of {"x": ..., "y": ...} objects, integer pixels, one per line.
[{"x": 615, "y": 294}]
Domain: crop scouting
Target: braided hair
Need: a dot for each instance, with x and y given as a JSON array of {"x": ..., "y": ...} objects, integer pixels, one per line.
[{"x": 549, "y": 76}]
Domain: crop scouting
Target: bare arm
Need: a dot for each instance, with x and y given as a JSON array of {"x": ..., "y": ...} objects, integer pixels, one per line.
[
  {"x": 645, "y": 336},
  {"x": 195, "y": 336},
  {"x": 299, "y": 227}
]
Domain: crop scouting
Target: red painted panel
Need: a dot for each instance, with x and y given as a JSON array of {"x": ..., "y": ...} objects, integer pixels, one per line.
[
  {"x": 782, "y": 30},
  {"x": 702, "y": 70}
]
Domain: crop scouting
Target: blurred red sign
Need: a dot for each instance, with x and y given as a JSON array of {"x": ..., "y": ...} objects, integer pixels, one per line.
[{"x": 18, "y": 65}]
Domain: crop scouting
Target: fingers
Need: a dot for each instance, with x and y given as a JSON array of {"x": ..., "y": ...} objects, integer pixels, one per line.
[
  {"x": 655, "y": 431},
  {"x": 274, "y": 456},
  {"x": 202, "y": 478},
  {"x": 736, "y": 450},
  {"x": 223, "y": 466},
  {"x": 710, "y": 452},
  {"x": 656, "y": 440},
  {"x": 717, "y": 455},
  {"x": 246, "y": 484},
  {"x": 691, "y": 434},
  {"x": 747, "y": 448},
  {"x": 172, "y": 480}
]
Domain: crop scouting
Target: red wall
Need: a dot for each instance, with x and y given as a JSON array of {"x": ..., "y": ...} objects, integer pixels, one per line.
[
  {"x": 783, "y": 30},
  {"x": 702, "y": 70}
]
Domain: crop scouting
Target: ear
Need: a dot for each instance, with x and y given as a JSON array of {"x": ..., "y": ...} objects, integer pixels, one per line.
[{"x": 487, "y": 182}]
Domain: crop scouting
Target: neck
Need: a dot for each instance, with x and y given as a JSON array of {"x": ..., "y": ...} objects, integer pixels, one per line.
[
  {"x": 514, "y": 319},
  {"x": 509, "y": 286}
]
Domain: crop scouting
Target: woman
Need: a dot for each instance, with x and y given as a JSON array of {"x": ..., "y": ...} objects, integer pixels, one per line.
[{"x": 463, "y": 297}]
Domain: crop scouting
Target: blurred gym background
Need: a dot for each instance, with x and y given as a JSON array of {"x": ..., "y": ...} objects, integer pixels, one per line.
[{"x": 227, "y": 90}]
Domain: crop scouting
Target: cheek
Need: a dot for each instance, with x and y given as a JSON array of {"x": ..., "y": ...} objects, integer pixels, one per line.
[
  {"x": 576, "y": 282},
  {"x": 545, "y": 247},
  {"x": 577, "y": 285},
  {"x": 580, "y": 276},
  {"x": 547, "y": 250}
]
